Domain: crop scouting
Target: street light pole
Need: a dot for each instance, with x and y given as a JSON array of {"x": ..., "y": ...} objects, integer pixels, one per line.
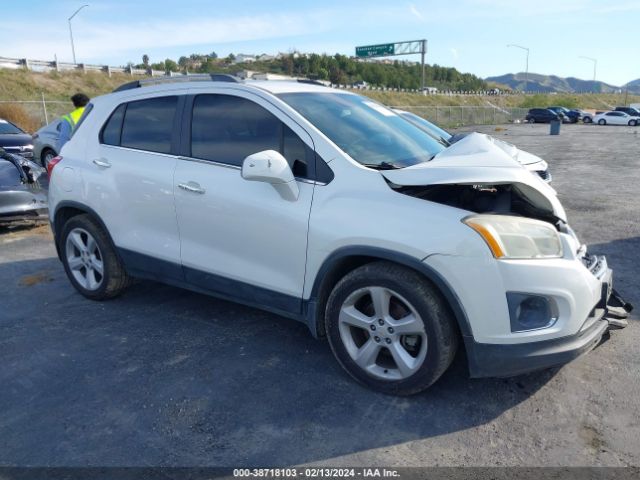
[
  {"x": 595, "y": 64},
  {"x": 526, "y": 72},
  {"x": 73, "y": 49}
]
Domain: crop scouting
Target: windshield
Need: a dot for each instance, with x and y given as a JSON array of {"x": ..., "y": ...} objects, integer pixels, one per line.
[
  {"x": 368, "y": 132},
  {"x": 8, "y": 128},
  {"x": 428, "y": 127}
]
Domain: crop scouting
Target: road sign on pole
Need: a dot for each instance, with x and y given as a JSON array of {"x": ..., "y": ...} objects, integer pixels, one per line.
[
  {"x": 381, "y": 50},
  {"x": 398, "y": 48}
]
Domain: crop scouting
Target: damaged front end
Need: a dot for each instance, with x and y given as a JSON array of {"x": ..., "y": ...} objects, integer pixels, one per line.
[
  {"x": 476, "y": 176},
  {"x": 23, "y": 193}
]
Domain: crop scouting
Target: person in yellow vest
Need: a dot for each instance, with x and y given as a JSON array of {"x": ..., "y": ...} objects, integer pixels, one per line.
[{"x": 70, "y": 120}]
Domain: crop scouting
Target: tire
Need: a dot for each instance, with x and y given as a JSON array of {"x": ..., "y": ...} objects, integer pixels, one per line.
[
  {"x": 532, "y": 120},
  {"x": 632, "y": 123},
  {"x": 425, "y": 349},
  {"x": 46, "y": 156},
  {"x": 98, "y": 255},
  {"x": 586, "y": 120},
  {"x": 602, "y": 121}
]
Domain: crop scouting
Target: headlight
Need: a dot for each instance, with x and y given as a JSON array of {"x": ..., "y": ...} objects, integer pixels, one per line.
[{"x": 516, "y": 237}]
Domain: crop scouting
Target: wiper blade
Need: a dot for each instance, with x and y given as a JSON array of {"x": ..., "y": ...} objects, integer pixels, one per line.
[{"x": 383, "y": 166}]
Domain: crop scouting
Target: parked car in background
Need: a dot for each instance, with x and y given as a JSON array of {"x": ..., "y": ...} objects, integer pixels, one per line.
[
  {"x": 531, "y": 162},
  {"x": 23, "y": 194},
  {"x": 634, "y": 112},
  {"x": 616, "y": 118},
  {"x": 45, "y": 141},
  {"x": 572, "y": 116},
  {"x": 15, "y": 140},
  {"x": 542, "y": 115}
]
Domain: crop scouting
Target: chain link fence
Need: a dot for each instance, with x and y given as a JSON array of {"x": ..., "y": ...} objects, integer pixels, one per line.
[
  {"x": 41, "y": 113},
  {"x": 456, "y": 116},
  {"x": 31, "y": 115}
]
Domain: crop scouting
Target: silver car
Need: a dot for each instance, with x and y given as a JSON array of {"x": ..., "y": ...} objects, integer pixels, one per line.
[{"x": 45, "y": 142}]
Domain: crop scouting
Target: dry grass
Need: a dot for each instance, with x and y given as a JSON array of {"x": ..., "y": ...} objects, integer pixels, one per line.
[{"x": 17, "y": 114}]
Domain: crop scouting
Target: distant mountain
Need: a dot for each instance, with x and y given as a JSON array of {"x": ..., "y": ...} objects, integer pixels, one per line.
[
  {"x": 552, "y": 83},
  {"x": 633, "y": 86}
]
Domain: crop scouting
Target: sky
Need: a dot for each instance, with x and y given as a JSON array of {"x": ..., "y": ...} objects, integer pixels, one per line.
[{"x": 470, "y": 35}]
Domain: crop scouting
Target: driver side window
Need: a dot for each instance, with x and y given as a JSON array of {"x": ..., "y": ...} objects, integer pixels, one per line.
[{"x": 227, "y": 129}]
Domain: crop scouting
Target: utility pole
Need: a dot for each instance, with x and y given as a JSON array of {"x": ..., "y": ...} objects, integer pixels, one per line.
[
  {"x": 423, "y": 52},
  {"x": 526, "y": 71},
  {"x": 73, "y": 49}
]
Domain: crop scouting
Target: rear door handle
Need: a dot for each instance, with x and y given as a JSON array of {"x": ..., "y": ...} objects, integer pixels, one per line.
[
  {"x": 102, "y": 162},
  {"x": 193, "y": 187}
]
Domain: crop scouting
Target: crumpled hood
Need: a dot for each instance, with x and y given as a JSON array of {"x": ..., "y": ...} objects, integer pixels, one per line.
[{"x": 477, "y": 160}]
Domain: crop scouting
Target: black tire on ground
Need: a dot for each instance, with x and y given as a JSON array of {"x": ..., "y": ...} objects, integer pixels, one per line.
[
  {"x": 532, "y": 120},
  {"x": 586, "y": 120},
  {"x": 115, "y": 279},
  {"x": 439, "y": 324},
  {"x": 602, "y": 121},
  {"x": 46, "y": 156},
  {"x": 632, "y": 123}
]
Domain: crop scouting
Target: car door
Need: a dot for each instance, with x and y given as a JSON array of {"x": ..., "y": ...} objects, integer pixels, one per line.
[
  {"x": 130, "y": 183},
  {"x": 242, "y": 239}
]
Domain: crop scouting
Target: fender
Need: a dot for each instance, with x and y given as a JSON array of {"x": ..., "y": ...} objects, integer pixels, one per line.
[{"x": 334, "y": 261}]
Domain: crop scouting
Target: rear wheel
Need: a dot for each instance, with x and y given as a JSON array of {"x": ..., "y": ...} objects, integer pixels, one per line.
[
  {"x": 90, "y": 260},
  {"x": 586, "y": 120},
  {"x": 632, "y": 123},
  {"x": 602, "y": 121},
  {"x": 390, "y": 328}
]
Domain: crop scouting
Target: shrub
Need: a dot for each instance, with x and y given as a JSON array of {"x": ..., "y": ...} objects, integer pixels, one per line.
[{"x": 17, "y": 114}]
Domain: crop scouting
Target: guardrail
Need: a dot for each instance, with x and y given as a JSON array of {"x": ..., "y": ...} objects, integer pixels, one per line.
[{"x": 55, "y": 65}]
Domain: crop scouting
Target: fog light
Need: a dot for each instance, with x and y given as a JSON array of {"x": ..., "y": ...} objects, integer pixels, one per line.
[{"x": 530, "y": 312}]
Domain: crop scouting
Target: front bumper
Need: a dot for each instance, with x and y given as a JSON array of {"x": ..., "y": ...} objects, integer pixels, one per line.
[{"x": 494, "y": 360}]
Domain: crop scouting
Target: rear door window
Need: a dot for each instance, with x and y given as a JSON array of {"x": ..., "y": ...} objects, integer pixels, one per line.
[{"x": 148, "y": 124}]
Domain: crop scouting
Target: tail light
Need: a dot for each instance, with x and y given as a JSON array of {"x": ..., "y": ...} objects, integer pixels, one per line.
[{"x": 52, "y": 163}]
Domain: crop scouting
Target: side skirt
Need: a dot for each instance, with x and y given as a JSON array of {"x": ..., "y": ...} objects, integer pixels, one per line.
[{"x": 144, "y": 266}]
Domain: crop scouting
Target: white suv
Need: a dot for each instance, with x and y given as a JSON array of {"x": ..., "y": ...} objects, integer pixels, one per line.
[{"x": 326, "y": 207}]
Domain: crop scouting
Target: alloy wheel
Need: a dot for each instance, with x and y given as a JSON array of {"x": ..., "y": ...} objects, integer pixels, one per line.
[
  {"x": 383, "y": 333},
  {"x": 84, "y": 259}
]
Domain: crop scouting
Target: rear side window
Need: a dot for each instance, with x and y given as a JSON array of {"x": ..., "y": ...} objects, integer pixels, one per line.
[
  {"x": 228, "y": 129},
  {"x": 113, "y": 128},
  {"x": 148, "y": 124}
]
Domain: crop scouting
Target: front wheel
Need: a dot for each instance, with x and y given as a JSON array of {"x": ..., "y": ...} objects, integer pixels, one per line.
[
  {"x": 586, "y": 120},
  {"x": 602, "y": 122},
  {"x": 90, "y": 260},
  {"x": 390, "y": 328},
  {"x": 532, "y": 120}
]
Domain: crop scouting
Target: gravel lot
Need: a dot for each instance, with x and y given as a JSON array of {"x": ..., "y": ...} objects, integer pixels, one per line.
[{"x": 163, "y": 376}]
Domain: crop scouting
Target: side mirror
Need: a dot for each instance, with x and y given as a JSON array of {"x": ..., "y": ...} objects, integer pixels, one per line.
[{"x": 271, "y": 167}]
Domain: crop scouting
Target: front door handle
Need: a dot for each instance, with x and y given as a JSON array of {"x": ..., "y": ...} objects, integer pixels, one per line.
[
  {"x": 102, "y": 162},
  {"x": 193, "y": 187}
]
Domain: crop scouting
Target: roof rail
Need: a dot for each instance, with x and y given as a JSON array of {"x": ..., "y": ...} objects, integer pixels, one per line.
[
  {"x": 310, "y": 81},
  {"x": 213, "y": 77}
]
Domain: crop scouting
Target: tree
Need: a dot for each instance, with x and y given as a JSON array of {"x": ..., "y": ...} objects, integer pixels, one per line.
[
  {"x": 170, "y": 65},
  {"x": 145, "y": 60},
  {"x": 213, "y": 55}
]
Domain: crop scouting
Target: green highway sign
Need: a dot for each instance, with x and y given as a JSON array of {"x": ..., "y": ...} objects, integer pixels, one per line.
[{"x": 376, "y": 50}]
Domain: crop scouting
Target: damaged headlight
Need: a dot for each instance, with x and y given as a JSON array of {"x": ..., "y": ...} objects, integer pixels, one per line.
[{"x": 517, "y": 237}]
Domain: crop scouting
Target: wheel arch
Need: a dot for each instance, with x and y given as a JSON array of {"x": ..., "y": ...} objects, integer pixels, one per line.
[
  {"x": 66, "y": 210},
  {"x": 347, "y": 259}
]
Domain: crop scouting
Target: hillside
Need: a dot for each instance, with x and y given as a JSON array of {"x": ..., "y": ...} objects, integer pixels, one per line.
[
  {"x": 22, "y": 85},
  {"x": 552, "y": 83}
]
